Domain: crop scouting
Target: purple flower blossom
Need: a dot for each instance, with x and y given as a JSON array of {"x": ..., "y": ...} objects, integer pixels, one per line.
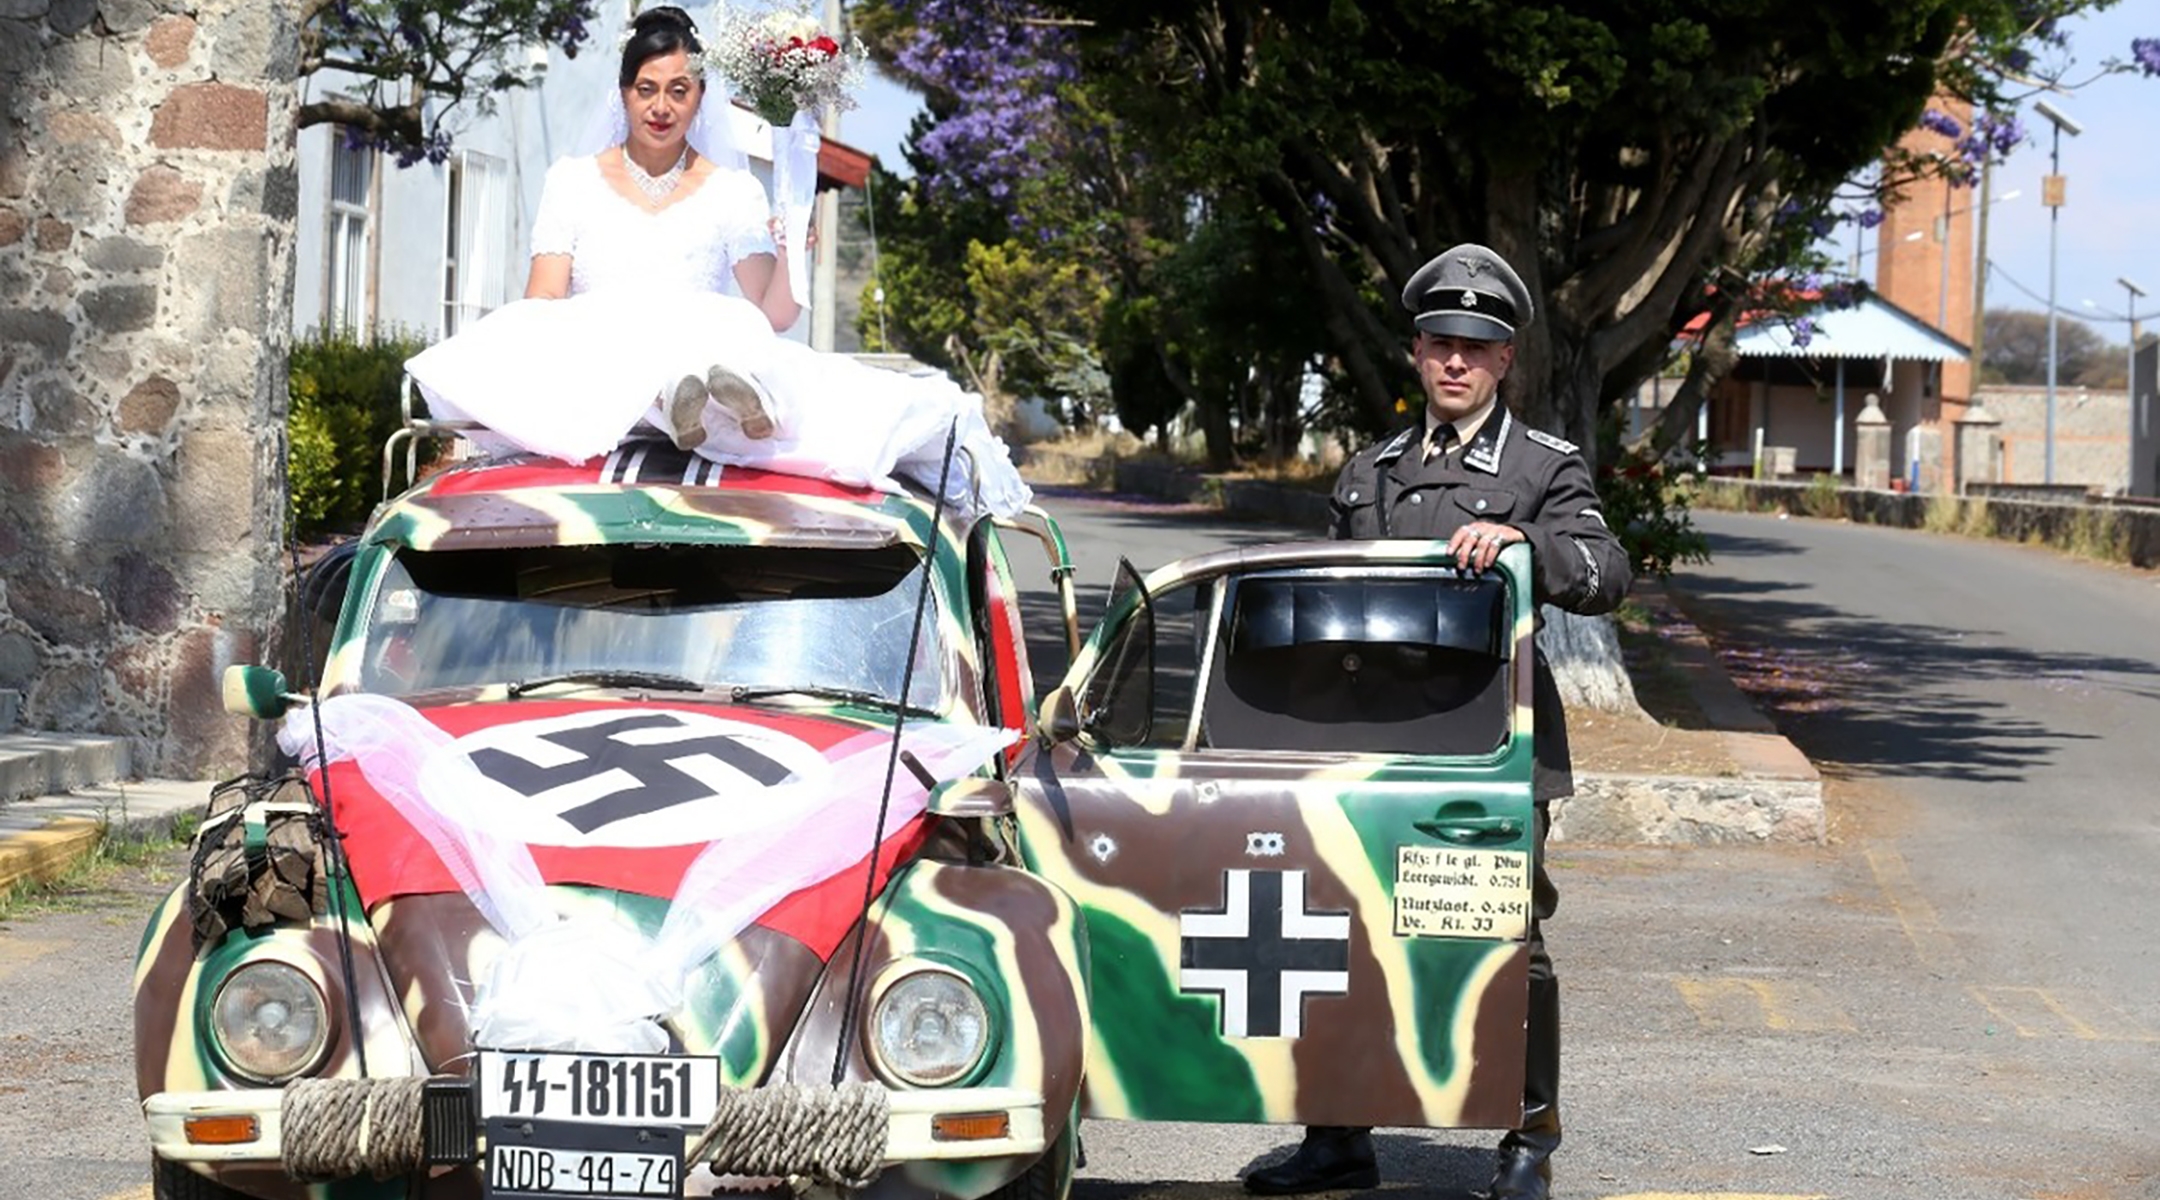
[
  {"x": 1937, "y": 121},
  {"x": 1803, "y": 331},
  {"x": 1002, "y": 78},
  {"x": 1992, "y": 136},
  {"x": 2146, "y": 52},
  {"x": 1868, "y": 218}
]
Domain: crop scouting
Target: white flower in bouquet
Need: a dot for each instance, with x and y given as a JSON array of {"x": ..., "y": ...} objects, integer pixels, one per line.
[{"x": 783, "y": 61}]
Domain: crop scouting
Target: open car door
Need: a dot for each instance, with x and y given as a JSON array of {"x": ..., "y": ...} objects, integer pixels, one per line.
[{"x": 1290, "y": 786}]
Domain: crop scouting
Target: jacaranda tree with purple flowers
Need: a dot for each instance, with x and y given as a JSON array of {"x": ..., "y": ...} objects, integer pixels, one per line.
[
  {"x": 1040, "y": 233},
  {"x": 417, "y": 62}
]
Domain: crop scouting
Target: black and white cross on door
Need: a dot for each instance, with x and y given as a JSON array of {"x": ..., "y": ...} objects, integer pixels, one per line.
[{"x": 1263, "y": 952}]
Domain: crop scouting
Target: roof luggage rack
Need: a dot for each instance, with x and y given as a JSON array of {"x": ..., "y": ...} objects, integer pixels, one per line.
[{"x": 409, "y": 433}]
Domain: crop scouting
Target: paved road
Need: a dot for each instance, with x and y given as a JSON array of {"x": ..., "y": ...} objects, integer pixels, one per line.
[{"x": 1920, "y": 1011}]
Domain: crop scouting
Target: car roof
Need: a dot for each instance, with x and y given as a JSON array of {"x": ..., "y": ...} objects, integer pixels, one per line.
[{"x": 664, "y": 496}]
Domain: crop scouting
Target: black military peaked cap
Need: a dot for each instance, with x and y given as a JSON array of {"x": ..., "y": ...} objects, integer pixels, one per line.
[{"x": 1468, "y": 291}]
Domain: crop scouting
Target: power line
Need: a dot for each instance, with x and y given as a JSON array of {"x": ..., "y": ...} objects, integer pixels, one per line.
[{"x": 1995, "y": 269}]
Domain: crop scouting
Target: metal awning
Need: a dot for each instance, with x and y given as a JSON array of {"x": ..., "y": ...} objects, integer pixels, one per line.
[{"x": 1874, "y": 329}]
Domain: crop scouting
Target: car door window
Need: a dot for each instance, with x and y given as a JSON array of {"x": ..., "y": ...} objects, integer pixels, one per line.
[
  {"x": 1142, "y": 693},
  {"x": 1413, "y": 664}
]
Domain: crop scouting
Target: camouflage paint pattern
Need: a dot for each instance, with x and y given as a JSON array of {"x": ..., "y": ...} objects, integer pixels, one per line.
[
  {"x": 1429, "y": 1030},
  {"x": 1021, "y": 943},
  {"x": 1017, "y": 939},
  {"x": 175, "y": 984}
]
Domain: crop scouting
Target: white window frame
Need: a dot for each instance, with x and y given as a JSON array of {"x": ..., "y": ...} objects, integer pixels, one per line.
[
  {"x": 349, "y": 248},
  {"x": 476, "y": 239}
]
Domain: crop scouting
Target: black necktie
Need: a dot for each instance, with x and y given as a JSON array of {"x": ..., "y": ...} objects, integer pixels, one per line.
[{"x": 1441, "y": 443}]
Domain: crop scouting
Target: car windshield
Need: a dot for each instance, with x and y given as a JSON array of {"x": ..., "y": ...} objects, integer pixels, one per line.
[{"x": 758, "y": 618}]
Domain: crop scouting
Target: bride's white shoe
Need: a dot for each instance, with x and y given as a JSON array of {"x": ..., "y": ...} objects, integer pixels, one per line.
[
  {"x": 684, "y": 410},
  {"x": 741, "y": 399}
]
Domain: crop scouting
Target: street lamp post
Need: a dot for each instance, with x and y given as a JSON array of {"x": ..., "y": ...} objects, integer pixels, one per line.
[
  {"x": 1942, "y": 239},
  {"x": 2135, "y": 293},
  {"x": 1861, "y": 252},
  {"x": 2051, "y": 194}
]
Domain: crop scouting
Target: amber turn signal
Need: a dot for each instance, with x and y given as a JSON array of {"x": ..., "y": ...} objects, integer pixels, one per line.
[
  {"x": 970, "y": 1127},
  {"x": 221, "y": 1131}
]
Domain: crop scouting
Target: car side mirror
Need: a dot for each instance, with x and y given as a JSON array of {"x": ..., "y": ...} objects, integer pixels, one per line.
[
  {"x": 258, "y": 692},
  {"x": 1059, "y": 718},
  {"x": 971, "y": 796}
]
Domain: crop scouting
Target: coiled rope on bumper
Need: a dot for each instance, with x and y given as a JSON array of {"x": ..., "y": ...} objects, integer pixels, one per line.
[
  {"x": 833, "y": 1134},
  {"x": 337, "y": 1128}
]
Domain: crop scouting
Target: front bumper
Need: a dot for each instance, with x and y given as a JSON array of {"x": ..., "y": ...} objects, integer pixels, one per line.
[{"x": 916, "y": 1128}]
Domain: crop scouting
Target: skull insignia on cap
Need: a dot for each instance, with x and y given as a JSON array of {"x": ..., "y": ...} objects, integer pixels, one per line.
[{"x": 1468, "y": 291}]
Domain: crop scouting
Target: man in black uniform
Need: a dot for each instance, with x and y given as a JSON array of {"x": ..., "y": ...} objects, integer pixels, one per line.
[{"x": 1471, "y": 473}]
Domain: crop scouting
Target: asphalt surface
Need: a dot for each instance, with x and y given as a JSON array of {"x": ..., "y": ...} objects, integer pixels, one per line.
[{"x": 1952, "y": 1001}]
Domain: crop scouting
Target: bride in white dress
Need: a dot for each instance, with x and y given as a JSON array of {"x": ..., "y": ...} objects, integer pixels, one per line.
[{"x": 654, "y": 299}]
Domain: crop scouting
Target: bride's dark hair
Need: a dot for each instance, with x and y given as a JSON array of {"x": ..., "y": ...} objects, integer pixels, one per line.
[{"x": 655, "y": 32}]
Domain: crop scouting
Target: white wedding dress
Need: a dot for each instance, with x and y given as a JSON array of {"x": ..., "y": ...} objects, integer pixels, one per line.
[{"x": 652, "y": 299}]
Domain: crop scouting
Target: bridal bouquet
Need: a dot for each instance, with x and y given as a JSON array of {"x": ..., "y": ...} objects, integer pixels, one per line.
[{"x": 783, "y": 62}]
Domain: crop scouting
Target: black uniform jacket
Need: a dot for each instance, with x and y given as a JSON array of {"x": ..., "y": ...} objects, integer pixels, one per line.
[{"x": 1510, "y": 475}]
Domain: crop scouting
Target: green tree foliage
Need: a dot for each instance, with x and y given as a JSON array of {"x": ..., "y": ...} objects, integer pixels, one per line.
[
  {"x": 1643, "y": 163},
  {"x": 2017, "y": 348},
  {"x": 417, "y": 61},
  {"x": 344, "y": 407}
]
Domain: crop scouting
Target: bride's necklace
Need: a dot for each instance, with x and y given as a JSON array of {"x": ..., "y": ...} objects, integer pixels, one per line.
[{"x": 655, "y": 187}]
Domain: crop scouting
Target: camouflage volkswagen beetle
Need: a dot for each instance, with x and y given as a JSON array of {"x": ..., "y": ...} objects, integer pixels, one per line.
[
  {"x": 1266, "y": 858},
  {"x": 641, "y": 660},
  {"x": 1289, "y": 787}
]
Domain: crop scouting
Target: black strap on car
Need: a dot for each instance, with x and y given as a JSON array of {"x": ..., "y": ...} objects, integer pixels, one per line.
[
  {"x": 892, "y": 762},
  {"x": 340, "y": 869}
]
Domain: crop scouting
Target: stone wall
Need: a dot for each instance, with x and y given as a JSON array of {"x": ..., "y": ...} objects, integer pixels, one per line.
[
  {"x": 146, "y": 217},
  {"x": 2122, "y": 532},
  {"x": 2092, "y": 434}
]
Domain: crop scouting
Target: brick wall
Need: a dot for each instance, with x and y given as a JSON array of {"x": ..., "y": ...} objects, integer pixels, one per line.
[{"x": 146, "y": 209}]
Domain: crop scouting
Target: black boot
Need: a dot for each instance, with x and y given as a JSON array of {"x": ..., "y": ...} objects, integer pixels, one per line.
[
  {"x": 1525, "y": 1168},
  {"x": 1334, "y": 1157}
]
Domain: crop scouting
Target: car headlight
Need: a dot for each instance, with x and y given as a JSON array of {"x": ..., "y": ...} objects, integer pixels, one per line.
[
  {"x": 269, "y": 1022},
  {"x": 929, "y": 1028}
]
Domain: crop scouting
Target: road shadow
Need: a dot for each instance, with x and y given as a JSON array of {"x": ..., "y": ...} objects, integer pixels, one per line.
[
  {"x": 1040, "y": 610},
  {"x": 1895, "y": 699},
  {"x": 1410, "y": 1166}
]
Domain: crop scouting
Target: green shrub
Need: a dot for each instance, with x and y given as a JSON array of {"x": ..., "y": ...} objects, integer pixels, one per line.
[
  {"x": 1821, "y": 498},
  {"x": 344, "y": 405},
  {"x": 1645, "y": 501}
]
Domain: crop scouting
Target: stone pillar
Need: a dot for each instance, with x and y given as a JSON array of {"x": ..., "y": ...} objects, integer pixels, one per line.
[
  {"x": 1871, "y": 446},
  {"x": 1979, "y": 447},
  {"x": 146, "y": 213}
]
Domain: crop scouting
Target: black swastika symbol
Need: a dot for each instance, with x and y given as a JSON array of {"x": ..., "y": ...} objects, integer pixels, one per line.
[{"x": 658, "y": 783}]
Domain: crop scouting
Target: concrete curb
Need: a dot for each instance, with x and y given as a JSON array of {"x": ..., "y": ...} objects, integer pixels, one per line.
[
  {"x": 40, "y": 839},
  {"x": 1776, "y": 796},
  {"x": 36, "y": 764}
]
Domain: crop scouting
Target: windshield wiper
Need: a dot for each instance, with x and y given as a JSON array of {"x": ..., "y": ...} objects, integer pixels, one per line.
[
  {"x": 617, "y": 679},
  {"x": 740, "y": 693}
]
